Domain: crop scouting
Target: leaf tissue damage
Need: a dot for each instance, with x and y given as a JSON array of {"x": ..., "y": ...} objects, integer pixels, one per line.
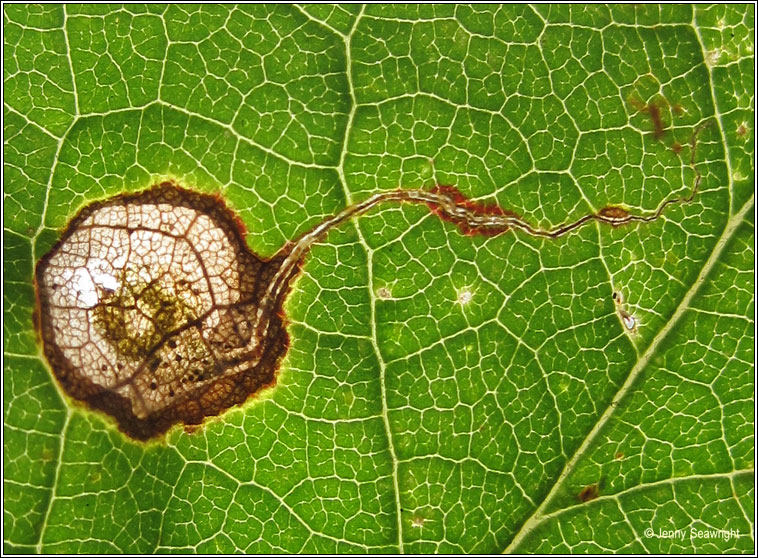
[{"x": 152, "y": 309}]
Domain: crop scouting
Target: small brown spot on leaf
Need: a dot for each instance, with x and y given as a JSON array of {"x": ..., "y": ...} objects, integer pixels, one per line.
[
  {"x": 588, "y": 493},
  {"x": 482, "y": 210},
  {"x": 417, "y": 521},
  {"x": 659, "y": 127},
  {"x": 191, "y": 428},
  {"x": 654, "y": 110},
  {"x": 383, "y": 293},
  {"x": 614, "y": 215}
]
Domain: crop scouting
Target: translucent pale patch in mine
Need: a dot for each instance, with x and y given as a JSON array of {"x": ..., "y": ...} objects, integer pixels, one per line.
[{"x": 137, "y": 298}]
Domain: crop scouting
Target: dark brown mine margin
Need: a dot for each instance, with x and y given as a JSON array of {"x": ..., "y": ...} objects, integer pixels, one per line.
[{"x": 208, "y": 398}]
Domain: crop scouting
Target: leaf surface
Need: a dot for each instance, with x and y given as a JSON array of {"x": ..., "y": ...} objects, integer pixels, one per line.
[{"x": 442, "y": 393}]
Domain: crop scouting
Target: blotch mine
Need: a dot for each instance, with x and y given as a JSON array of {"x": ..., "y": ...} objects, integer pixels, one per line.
[{"x": 152, "y": 309}]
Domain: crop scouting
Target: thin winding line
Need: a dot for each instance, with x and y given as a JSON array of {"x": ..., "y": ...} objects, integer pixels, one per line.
[{"x": 473, "y": 216}]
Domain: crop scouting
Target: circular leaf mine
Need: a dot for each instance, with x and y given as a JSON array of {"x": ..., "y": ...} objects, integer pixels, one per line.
[{"x": 153, "y": 310}]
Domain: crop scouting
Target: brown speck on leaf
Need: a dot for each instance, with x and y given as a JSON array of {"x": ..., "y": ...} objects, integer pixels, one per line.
[
  {"x": 191, "y": 428},
  {"x": 417, "y": 521},
  {"x": 653, "y": 110},
  {"x": 613, "y": 213},
  {"x": 588, "y": 493},
  {"x": 659, "y": 127},
  {"x": 383, "y": 293},
  {"x": 676, "y": 147},
  {"x": 619, "y": 455}
]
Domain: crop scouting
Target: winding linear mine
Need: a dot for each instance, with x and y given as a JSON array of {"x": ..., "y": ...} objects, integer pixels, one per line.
[{"x": 152, "y": 309}]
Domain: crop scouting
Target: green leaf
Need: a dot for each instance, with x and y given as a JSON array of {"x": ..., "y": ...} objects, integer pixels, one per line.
[{"x": 407, "y": 417}]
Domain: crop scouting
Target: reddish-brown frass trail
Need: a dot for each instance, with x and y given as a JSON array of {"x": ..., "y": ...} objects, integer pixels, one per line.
[{"x": 152, "y": 309}]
